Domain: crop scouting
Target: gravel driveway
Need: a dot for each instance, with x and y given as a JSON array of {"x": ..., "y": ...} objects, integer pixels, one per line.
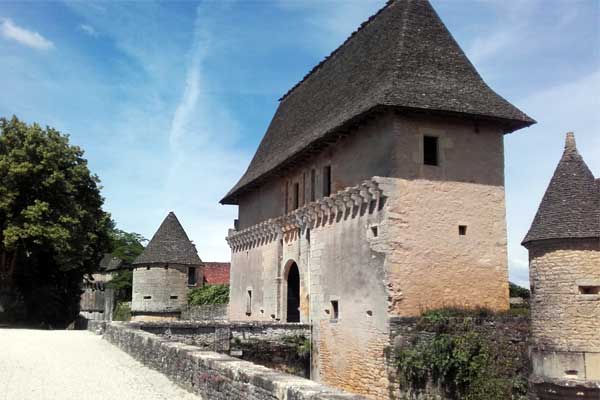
[{"x": 75, "y": 365}]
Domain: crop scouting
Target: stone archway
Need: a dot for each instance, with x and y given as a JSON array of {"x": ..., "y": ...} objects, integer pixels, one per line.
[{"x": 293, "y": 293}]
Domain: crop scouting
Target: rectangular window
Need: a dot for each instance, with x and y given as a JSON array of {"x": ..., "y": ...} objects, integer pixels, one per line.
[
  {"x": 335, "y": 311},
  {"x": 249, "y": 303},
  {"x": 430, "y": 150},
  {"x": 174, "y": 297},
  {"x": 326, "y": 180},
  {"x": 192, "y": 276},
  {"x": 313, "y": 184},
  {"x": 589, "y": 289},
  {"x": 462, "y": 230},
  {"x": 296, "y": 195},
  {"x": 147, "y": 297}
]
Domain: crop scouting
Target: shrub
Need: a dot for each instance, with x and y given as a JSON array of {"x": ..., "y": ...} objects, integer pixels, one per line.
[
  {"x": 464, "y": 362},
  {"x": 122, "y": 312},
  {"x": 209, "y": 294}
]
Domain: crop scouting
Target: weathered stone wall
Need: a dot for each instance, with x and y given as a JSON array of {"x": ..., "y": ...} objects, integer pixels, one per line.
[
  {"x": 205, "y": 312},
  {"x": 255, "y": 269},
  {"x": 215, "y": 376},
  {"x": 565, "y": 322},
  {"x": 429, "y": 264},
  {"x": 166, "y": 287}
]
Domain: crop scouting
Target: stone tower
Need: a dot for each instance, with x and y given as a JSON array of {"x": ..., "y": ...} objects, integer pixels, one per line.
[
  {"x": 564, "y": 270},
  {"x": 162, "y": 273}
]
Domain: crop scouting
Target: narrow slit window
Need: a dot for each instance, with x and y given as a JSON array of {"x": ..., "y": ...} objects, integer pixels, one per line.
[
  {"x": 192, "y": 276},
  {"x": 430, "y": 150},
  {"x": 285, "y": 206},
  {"x": 296, "y": 194},
  {"x": 313, "y": 183},
  {"x": 147, "y": 297},
  {"x": 326, "y": 180},
  {"x": 335, "y": 310},
  {"x": 374, "y": 230},
  {"x": 589, "y": 289},
  {"x": 174, "y": 297},
  {"x": 462, "y": 230},
  {"x": 249, "y": 303}
]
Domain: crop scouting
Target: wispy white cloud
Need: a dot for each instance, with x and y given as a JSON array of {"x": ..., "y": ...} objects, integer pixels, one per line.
[
  {"x": 571, "y": 106},
  {"x": 12, "y": 31},
  {"x": 88, "y": 29}
]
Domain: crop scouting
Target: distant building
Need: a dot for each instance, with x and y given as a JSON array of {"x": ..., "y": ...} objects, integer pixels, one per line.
[
  {"x": 216, "y": 273},
  {"x": 564, "y": 272},
  {"x": 163, "y": 272},
  {"x": 98, "y": 301},
  {"x": 376, "y": 192}
]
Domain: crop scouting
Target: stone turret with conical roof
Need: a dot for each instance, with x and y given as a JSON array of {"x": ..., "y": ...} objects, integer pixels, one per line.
[
  {"x": 564, "y": 270},
  {"x": 162, "y": 272}
]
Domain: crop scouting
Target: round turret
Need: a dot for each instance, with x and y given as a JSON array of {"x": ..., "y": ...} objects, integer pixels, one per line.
[{"x": 564, "y": 271}]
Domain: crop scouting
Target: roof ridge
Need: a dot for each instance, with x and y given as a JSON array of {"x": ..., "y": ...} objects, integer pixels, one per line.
[{"x": 337, "y": 49}]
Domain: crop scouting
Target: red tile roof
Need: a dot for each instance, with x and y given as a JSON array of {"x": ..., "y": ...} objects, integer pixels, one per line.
[{"x": 216, "y": 273}]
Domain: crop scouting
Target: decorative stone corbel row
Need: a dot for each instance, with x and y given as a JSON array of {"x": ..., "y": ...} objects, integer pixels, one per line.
[{"x": 305, "y": 216}]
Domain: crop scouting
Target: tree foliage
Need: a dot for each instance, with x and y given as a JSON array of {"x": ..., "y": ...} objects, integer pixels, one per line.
[
  {"x": 127, "y": 246},
  {"x": 209, "y": 294},
  {"x": 518, "y": 291},
  {"x": 52, "y": 226}
]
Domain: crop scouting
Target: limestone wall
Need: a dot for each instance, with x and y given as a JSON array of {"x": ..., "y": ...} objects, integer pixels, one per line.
[
  {"x": 429, "y": 263},
  {"x": 215, "y": 376},
  {"x": 565, "y": 321},
  {"x": 205, "y": 312},
  {"x": 159, "y": 289},
  {"x": 255, "y": 269},
  {"x": 563, "y": 318}
]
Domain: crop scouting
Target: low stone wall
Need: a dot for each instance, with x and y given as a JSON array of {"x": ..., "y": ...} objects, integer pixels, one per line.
[
  {"x": 207, "y": 312},
  {"x": 212, "y": 375}
]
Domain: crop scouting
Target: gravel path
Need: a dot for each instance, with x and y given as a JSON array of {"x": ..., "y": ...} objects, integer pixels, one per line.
[{"x": 75, "y": 365}]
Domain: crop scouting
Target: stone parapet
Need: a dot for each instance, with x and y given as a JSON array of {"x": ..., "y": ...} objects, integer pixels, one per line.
[
  {"x": 215, "y": 376},
  {"x": 307, "y": 215}
]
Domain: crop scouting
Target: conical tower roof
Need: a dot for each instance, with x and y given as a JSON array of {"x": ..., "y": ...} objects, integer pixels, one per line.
[
  {"x": 402, "y": 58},
  {"x": 570, "y": 207},
  {"x": 169, "y": 245}
]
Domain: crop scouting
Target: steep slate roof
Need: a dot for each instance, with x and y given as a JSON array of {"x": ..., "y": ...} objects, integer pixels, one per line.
[
  {"x": 110, "y": 263},
  {"x": 169, "y": 245},
  {"x": 570, "y": 207},
  {"x": 402, "y": 57}
]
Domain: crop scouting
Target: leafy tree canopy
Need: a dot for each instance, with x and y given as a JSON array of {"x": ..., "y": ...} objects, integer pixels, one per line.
[
  {"x": 125, "y": 245},
  {"x": 52, "y": 226}
]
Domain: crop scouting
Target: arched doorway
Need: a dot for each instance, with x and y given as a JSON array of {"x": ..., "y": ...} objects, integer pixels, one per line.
[{"x": 293, "y": 294}]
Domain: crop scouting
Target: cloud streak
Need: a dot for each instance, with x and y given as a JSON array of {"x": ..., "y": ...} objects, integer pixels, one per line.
[
  {"x": 88, "y": 30},
  {"x": 11, "y": 31}
]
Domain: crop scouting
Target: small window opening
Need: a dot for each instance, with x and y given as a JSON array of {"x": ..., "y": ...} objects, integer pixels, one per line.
[
  {"x": 174, "y": 297},
  {"x": 430, "y": 150},
  {"x": 589, "y": 289},
  {"x": 462, "y": 230},
  {"x": 192, "y": 280},
  {"x": 374, "y": 231},
  {"x": 335, "y": 311},
  {"x": 147, "y": 297},
  {"x": 296, "y": 194},
  {"x": 313, "y": 183},
  {"x": 249, "y": 303},
  {"x": 326, "y": 180},
  {"x": 147, "y": 268}
]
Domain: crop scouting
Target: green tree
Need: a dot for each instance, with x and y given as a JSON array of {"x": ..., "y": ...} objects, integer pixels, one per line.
[
  {"x": 53, "y": 230},
  {"x": 127, "y": 246}
]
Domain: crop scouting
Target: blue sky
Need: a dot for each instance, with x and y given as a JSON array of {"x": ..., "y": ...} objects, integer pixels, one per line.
[{"x": 170, "y": 99}]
